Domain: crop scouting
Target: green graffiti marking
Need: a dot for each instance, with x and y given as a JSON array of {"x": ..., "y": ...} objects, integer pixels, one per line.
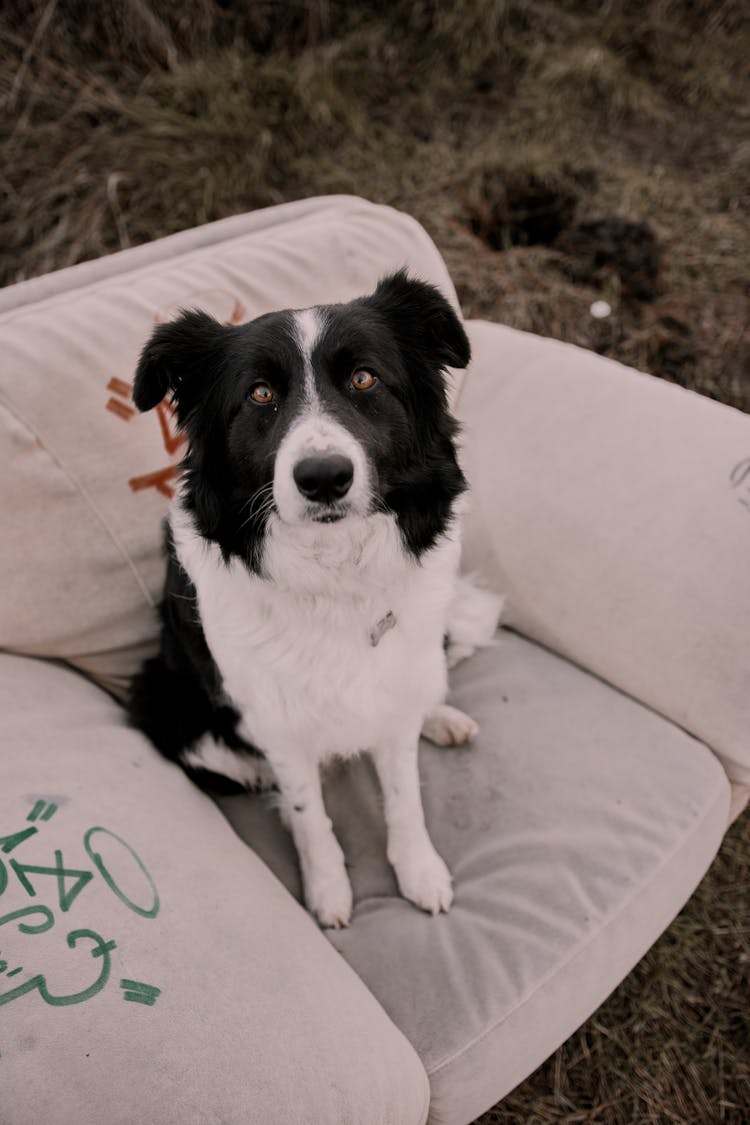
[
  {"x": 47, "y": 924},
  {"x": 101, "y": 948},
  {"x": 37, "y": 809},
  {"x": 70, "y": 882},
  {"x": 65, "y": 896},
  {"x": 140, "y": 993},
  {"x": 97, "y": 860},
  {"x": 4, "y": 966},
  {"x": 8, "y": 843}
]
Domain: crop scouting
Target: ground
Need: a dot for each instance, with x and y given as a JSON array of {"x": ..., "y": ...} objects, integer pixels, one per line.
[{"x": 559, "y": 153}]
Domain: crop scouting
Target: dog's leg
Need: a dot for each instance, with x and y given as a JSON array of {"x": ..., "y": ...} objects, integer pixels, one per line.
[
  {"x": 473, "y": 617},
  {"x": 422, "y": 876},
  {"x": 447, "y": 726},
  {"x": 327, "y": 890}
]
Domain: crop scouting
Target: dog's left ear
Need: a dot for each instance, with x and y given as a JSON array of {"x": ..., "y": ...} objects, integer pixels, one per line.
[{"x": 423, "y": 320}]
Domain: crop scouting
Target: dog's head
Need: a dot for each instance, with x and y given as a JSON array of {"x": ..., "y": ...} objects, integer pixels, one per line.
[{"x": 314, "y": 415}]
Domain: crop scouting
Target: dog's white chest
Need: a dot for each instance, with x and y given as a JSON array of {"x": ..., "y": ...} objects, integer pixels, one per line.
[{"x": 344, "y": 647}]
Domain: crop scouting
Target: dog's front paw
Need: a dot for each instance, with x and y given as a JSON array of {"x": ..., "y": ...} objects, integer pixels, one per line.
[
  {"x": 447, "y": 726},
  {"x": 423, "y": 878},
  {"x": 455, "y": 653},
  {"x": 328, "y": 895}
]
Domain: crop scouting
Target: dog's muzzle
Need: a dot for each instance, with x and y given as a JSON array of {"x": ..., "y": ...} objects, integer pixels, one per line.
[{"x": 321, "y": 473}]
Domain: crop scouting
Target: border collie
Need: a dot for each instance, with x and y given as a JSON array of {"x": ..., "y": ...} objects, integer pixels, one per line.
[{"x": 312, "y": 564}]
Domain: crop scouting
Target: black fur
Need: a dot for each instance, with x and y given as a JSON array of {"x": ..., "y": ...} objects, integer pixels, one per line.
[
  {"x": 406, "y": 333},
  {"x": 178, "y": 695}
]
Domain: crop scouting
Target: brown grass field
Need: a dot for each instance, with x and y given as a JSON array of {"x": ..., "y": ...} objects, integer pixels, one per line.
[{"x": 557, "y": 153}]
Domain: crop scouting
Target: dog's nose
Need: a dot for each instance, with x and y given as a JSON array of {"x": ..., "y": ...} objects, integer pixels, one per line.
[{"x": 324, "y": 478}]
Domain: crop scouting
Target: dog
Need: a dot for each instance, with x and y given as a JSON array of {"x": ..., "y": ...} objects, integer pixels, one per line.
[{"x": 312, "y": 564}]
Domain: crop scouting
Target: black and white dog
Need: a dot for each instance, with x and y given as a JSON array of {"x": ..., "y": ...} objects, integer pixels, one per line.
[{"x": 312, "y": 563}]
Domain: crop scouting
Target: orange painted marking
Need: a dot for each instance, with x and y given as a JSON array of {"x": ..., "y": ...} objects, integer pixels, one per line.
[
  {"x": 120, "y": 405},
  {"x": 119, "y": 387},
  {"x": 121, "y": 409},
  {"x": 172, "y": 441},
  {"x": 158, "y": 480},
  {"x": 239, "y": 312}
]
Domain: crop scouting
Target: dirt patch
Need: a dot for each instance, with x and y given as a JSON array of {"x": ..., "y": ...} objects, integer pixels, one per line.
[
  {"x": 518, "y": 209},
  {"x": 612, "y": 251}
]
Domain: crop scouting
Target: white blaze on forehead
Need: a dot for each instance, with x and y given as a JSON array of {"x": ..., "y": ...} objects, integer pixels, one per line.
[
  {"x": 315, "y": 432},
  {"x": 308, "y": 325}
]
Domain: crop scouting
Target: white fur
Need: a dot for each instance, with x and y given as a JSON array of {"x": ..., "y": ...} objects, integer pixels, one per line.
[
  {"x": 294, "y": 649},
  {"x": 308, "y": 324},
  {"x": 296, "y": 657},
  {"x": 473, "y": 615}
]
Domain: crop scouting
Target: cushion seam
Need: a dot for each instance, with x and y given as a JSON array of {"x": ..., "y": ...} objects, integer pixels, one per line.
[
  {"x": 85, "y": 496},
  {"x": 580, "y": 947}
]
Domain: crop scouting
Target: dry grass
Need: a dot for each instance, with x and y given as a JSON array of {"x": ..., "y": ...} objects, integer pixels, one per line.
[
  {"x": 536, "y": 140},
  {"x": 130, "y": 121}
]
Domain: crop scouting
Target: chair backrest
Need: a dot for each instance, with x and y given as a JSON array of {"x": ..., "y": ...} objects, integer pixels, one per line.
[{"x": 86, "y": 480}]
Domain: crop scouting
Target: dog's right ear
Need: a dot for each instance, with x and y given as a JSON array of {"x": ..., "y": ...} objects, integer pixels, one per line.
[{"x": 180, "y": 357}]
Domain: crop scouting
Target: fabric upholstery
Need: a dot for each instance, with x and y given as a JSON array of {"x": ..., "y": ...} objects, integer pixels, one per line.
[
  {"x": 576, "y": 828},
  {"x": 613, "y": 509},
  {"x": 238, "y": 1010},
  {"x": 86, "y": 479}
]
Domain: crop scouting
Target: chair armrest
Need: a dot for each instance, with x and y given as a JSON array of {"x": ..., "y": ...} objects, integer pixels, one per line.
[
  {"x": 613, "y": 510},
  {"x": 153, "y": 969}
]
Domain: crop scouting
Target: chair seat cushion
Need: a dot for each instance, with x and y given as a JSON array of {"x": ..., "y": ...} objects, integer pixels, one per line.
[{"x": 576, "y": 828}]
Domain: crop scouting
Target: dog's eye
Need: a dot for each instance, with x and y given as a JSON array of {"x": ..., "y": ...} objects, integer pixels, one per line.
[
  {"x": 262, "y": 394},
  {"x": 362, "y": 380}
]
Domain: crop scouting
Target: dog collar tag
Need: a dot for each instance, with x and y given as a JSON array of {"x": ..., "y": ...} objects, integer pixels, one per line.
[{"x": 382, "y": 627}]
